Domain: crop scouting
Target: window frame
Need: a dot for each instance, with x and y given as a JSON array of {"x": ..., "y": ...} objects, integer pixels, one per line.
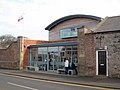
[{"x": 63, "y": 33}]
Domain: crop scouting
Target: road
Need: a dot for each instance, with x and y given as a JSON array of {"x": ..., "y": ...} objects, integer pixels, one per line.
[{"x": 9, "y": 82}]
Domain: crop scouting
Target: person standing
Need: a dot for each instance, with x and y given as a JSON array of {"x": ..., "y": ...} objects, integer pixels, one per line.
[
  {"x": 66, "y": 66},
  {"x": 45, "y": 65},
  {"x": 73, "y": 67}
]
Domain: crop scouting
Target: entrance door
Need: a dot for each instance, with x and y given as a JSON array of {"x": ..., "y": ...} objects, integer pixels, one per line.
[
  {"x": 53, "y": 57},
  {"x": 102, "y": 65}
]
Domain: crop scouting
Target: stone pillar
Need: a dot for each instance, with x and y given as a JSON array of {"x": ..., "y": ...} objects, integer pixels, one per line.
[
  {"x": 21, "y": 51},
  {"x": 81, "y": 52}
]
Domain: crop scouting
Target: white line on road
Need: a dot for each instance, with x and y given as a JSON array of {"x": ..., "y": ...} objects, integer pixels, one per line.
[
  {"x": 62, "y": 83},
  {"x": 21, "y": 86}
]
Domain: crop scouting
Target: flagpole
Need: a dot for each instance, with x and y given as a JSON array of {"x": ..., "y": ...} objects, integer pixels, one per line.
[
  {"x": 23, "y": 27},
  {"x": 21, "y": 21}
]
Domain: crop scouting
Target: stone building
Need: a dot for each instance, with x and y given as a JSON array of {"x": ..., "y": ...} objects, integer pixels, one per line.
[
  {"x": 99, "y": 49},
  {"x": 9, "y": 58},
  {"x": 107, "y": 39}
]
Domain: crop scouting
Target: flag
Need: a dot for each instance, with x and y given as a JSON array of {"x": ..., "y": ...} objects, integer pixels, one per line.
[{"x": 20, "y": 18}]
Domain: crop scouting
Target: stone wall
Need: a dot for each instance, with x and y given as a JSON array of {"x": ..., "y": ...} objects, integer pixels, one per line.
[
  {"x": 9, "y": 58},
  {"x": 89, "y": 43},
  {"x": 81, "y": 53},
  {"x": 86, "y": 54},
  {"x": 90, "y": 54},
  {"x": 16, "y": 55},
  {"x": 110, "y": 40}
]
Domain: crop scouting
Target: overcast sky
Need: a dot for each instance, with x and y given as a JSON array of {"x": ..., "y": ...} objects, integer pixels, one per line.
[{"x": 38, "y": 14}]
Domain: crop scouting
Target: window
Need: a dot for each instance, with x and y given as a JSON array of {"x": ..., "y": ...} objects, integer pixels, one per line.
[
  {"x": 68, "y": 32},
  {"x": 42, "y": 53}
]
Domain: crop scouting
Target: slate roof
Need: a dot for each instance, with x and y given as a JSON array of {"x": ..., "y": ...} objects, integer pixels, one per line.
[{"x": 108, "y": 24}]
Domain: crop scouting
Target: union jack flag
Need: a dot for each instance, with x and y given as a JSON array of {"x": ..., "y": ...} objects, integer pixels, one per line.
[{"x": 20, "y": 18}]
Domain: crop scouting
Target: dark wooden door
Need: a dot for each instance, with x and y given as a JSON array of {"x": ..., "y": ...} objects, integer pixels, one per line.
[{"x": 101, "y": 62}]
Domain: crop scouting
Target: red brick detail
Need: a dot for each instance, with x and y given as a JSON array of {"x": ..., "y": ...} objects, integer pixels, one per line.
[{"x": 26, "y": 44}]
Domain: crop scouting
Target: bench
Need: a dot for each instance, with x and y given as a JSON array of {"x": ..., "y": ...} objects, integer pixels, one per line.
[
  {"x": 33, "y": 68},
  {"x": 60, "y": 71}
]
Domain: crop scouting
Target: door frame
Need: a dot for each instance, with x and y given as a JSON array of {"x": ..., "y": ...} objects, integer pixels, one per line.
[{"x": 106, "y": 61}]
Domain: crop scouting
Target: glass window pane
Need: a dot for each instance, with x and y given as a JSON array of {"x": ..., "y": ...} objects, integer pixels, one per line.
[
  {"x": 62, "y": 48},
  {"x": 68, "y": 32},
  {"x": 41, "y": 49},
  {"x": 50, "y": 49},
  {"x": 74, "y": 48},
  {"x": 69, "y": 48}
]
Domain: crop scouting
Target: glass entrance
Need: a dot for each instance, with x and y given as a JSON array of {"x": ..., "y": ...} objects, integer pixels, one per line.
[
  {"x": 53, "y": 57},
  {"x": 42, "y": 58}
]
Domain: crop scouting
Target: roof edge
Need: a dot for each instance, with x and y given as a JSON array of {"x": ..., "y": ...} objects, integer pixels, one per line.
[
  {"x": 100, "y": 24},
  {"x": 56, "y": 22}
]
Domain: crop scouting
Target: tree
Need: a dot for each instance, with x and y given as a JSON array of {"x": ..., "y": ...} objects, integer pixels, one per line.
[{"x": 6, "y": 40}]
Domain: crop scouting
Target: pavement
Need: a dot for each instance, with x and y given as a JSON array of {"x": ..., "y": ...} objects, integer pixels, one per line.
[{"x": 98, "y": 81}]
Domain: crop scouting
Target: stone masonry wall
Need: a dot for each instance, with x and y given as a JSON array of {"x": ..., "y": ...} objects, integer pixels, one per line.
[
  {"x": 9, "y": 58},
  {"x": 86, "y": 54},
  {"x": 81, "y": 53},
  {"x": 112, "y": 41},
  {"x": 90, "y": 62}
]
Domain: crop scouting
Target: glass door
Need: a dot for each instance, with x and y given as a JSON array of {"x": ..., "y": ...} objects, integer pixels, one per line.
[
  {"x": 42, "y": 58},
  {"x": 51, "y": 61},
  {"x": 53, "y": 58}
]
